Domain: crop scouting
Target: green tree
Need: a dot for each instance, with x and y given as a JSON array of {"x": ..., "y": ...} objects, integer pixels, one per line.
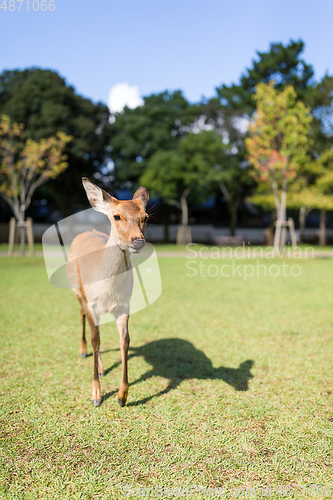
[
  {"x": 175, "y": 174},
  {"x": 163, "y": 177},
  {"x": 139, "y": 133},
  {"x": 219, "y": 166},
  {"x": 320, "y": 100},
  {"x": 230, "y": 110},
  {"x": 45, "y": 104},
  {"x": 285, "y": 65},
  {"x": 324, "y": 185},
  {"x": 171, "y": 176},
  {"x": 314, "y": 190},
  {"x": 278, "y": 142},
  {"x": 26, "y": 164},
  {"x": 201, "y": 165},
  {"x": 282, "y": 63}
]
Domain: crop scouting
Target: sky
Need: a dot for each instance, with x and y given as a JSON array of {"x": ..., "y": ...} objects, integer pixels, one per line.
[{"x": 118, "y": 51}]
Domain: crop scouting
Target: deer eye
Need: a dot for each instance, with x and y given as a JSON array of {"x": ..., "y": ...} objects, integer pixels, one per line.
[{"x": 116, "y": 217}]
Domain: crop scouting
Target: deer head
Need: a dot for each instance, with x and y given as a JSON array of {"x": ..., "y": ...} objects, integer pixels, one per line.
[{"x": 128, "y": 218}]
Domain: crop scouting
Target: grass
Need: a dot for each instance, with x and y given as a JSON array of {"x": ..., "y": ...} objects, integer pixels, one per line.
[
  {"x": 236, "y": 387},
  {"x": 38, "y": 247},
  {"x": 171, "y": 247}
]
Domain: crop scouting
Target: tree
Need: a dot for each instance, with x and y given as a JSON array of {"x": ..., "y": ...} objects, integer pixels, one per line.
[
  {"x": 169, "y": 176},
  {"x": 324, "y": 185},
  {"x": 285, "y": 65},
  {"x": 304, "y": 193},
  {"x": 282, "y": 63},
  {"x": 320, "y": 99},
  {"x": 176, "y": 174},
  {"x": 45, "y": 104},
  {"x": 157, "y": 125},
  {"x": 312, "y": 189},
  {"x": 230, "y": 110},
  {"x": 24, "y": 166},
  {"x": 278, "y": 142},
  {"x": 199, "y": 166},
  {"x": 220, "y": 165}
]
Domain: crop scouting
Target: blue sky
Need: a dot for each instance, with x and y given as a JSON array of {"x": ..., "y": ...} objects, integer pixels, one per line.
[{"x": 160, "y": 44}]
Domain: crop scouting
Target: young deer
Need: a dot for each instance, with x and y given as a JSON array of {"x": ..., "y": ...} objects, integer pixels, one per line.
[{"x": 100, "y": 272}]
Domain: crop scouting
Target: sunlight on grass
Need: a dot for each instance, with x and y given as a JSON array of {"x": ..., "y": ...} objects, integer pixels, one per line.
[{"x": 230, "y": 385}]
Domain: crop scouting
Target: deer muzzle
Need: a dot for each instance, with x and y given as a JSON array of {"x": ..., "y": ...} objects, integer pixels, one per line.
[{"x": 138, "y": 243}]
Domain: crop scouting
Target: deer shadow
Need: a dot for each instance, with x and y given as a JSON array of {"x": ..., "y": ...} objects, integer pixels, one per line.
[{"x": 177, "y": 360}]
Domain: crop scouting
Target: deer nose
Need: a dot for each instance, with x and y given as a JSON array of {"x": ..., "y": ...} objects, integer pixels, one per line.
[{"x": 138, "y": 242}]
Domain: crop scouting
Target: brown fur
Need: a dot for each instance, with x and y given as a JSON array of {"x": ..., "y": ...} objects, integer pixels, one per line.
[{"x": 96, "y": 268}]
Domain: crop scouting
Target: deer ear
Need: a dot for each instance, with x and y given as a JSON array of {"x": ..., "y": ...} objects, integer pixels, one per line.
[
  {"x": 99, "y": 199},
  {"x": 142, "y": 195}
]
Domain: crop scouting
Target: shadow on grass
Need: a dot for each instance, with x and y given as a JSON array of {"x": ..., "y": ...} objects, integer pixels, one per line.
[
  {"x": 90, "y": 354},
  {"x": 177, "y": 360}
]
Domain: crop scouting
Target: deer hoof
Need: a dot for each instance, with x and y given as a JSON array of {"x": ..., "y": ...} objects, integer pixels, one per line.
[
  {"x": 101, "y": 375},
  {"x": 83, "y": 354},
  {"x": 97, "y": 402},
  {"x": 121, "y": 403}
]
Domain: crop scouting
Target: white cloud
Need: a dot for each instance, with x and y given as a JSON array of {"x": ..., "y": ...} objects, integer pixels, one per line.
[{"x": 121, "y": 95}]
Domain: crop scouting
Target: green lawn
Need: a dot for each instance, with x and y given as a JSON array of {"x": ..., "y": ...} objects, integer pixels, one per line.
[
  {"x": 236, "y": 388},
  {"x": 172, "y": 247}
]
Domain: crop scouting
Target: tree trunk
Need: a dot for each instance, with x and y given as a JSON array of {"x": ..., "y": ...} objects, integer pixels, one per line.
[
  {"x": 184, "y": 231},
  {"x": 322, "y": 228},
  {"x": 302, "y": 217},
  {"x": 22, "y": 241},
  {"x": 233, "y": 210},
  {"x": 280, "y": 231},
  {"x": 184, "y": 206},
  {"x": 22, "y": 233}
]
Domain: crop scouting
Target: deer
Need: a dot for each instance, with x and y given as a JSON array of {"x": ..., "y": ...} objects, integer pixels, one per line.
[{"x": 99, "y": 270}]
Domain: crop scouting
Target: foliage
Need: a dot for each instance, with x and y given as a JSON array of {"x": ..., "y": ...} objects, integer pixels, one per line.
[
  {"x": 24, "y": 166},
  {"x": 325, "y": 180},
  {"x": 282, "y": 63},
  {"x": 175, "y": 174},
  {"x": 314, "y": 186},
  {"x": 45, "y": 104},
  {"x": 278, "y": 142},
  {"x": 320, "y": 99},
  {"x": 163, "y": 175},
  {"x": 263, "y": 197},
  {"x": 170, "y": 176},
  {"x": 218, "y": 167},
  {"x": 43, "y": 101},
  {"x": 139, "y": 133},
  {"x": 202, "y": 164},
  {"x": 232, "y": 107}
]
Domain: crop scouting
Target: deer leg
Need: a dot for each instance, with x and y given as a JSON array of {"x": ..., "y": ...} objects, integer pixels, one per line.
[
  {"x": 95, "y": 342},
  {"x": 122, "y": 325},
  {"x": 100, "y": 365},
  {"x": 83, "y": 348}
]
